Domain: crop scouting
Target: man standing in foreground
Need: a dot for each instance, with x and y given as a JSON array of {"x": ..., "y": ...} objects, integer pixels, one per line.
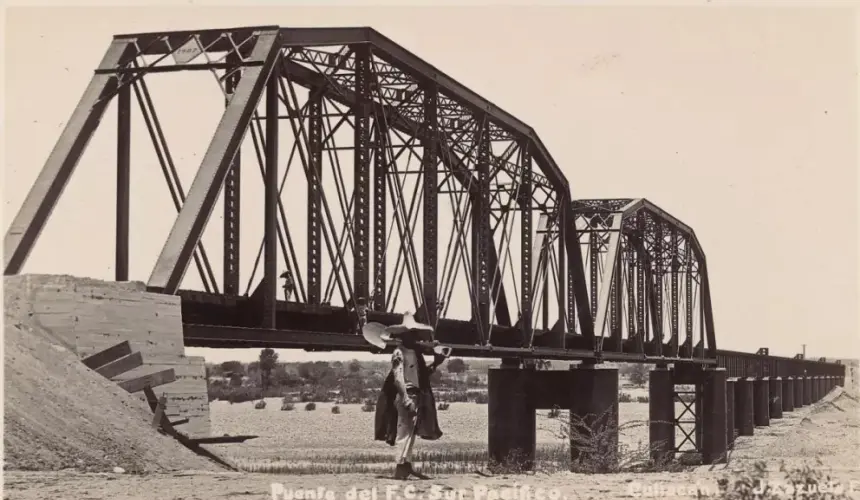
[{"x": 406, "y": 407}]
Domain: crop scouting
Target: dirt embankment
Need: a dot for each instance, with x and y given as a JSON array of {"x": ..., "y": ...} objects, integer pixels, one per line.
[{"x": 59, "y": 414}]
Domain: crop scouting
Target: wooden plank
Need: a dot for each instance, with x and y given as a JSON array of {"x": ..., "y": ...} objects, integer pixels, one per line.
[
  {"x": 179, "y": 422},
  {"x": 159, "y": 412},
  {"x": 108, "y": 355},
  {"x": 151, "y": 380},
  {"x": 151, "y": 398},
  {"x": 222, "y": 439},
  {"x": 121, "y": 365}
]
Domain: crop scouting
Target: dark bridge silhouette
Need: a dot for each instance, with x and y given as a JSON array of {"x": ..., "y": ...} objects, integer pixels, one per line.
[{"x": 420, "y": 195}]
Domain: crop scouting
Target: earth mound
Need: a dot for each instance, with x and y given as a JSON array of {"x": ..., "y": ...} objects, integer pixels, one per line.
[{"x": 59, "y": 414}]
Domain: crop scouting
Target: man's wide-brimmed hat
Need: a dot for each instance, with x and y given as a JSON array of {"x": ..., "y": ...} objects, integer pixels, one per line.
[{"x": 378, "y": 334}]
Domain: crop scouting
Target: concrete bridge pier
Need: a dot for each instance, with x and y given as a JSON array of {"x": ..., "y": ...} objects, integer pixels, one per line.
[
  {"x": 788, "y": 394},
  {"x": 714, "y": 440},
  {"x": 761, "y": 406},
  {"x": 775, "y": 390},
  {"x": 730, "y": 412},
  {"x": 744, "y": 408},
  {"x": 512, "y": 430},
  {"x": 799, "y": 391},
  {"x": 594, "y": 414},
  {"x": 661, "y": 414},
  {"x": 590, "y": 393},
  {"x": 807, "y": 390}
]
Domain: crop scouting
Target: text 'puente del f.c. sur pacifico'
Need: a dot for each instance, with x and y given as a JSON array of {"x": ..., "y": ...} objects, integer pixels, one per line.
[{"x": 420, "y": 196}]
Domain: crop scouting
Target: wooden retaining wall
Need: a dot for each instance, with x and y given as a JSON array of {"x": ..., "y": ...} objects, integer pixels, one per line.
[{"x": 88, "y": 316}]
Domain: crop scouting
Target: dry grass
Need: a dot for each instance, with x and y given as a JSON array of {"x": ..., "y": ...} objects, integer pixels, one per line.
[{"x": 322, "y": 442}]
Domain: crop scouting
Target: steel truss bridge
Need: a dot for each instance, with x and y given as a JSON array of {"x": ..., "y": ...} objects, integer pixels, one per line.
[{"x": 421, "y": 195}]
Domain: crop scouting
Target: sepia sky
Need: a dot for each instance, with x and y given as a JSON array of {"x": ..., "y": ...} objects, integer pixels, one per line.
[{"x": 742, "y": 122}]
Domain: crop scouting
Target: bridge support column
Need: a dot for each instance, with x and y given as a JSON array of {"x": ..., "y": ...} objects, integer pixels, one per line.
[
  {"x": 807, "y": 390},
  {"x": 594, "y": 414},
  {"x": 775, "y": 391},
  {"x": 816, "y": 389},
  {"x": 661, "y": 414},
  {"x": 730, "y": 413},
  {"x": 512, "y": 429},
  {"x": 744, "y": 413},
  {"x": 788, "y": 394},
  {"x": 823, "y": 386},
  {"x": 761, "y": 409},
  {"x": 799, "y": 391},
  {"x": 714, "y": 441}
]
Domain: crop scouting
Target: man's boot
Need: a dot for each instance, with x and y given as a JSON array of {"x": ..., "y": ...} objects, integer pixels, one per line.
[{"x": 402, "y": 471}]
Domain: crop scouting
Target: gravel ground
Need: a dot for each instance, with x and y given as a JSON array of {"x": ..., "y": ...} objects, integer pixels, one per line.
[{"x": 824, "y": 437}]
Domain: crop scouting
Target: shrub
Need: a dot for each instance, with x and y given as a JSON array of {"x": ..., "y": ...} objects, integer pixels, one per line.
[
  {"x": 482, "y": 398},
  {"x": 369, "y": 405},
  {"x": 233, "y": 394},
  {"x": 318, "y": 394},
  {"x": 625, "y": 398},
  {"x": 600, "y": 452},
  {"x": 287, "y": 406},
  {"x": 335, "y": 409},
  {"x": 444, "y": 406},
  {"x": 311, "y": 406},
  {"x": 261, "y": 404},
  {"x": 639, "y": 374},
  {"x": 642, "y": 399}
]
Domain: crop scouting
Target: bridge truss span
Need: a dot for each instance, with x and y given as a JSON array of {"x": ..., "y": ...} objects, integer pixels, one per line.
[{"x": 387, "y": 187}]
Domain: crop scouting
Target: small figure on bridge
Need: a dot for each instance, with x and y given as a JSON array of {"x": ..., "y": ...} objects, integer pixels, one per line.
[
  {"x": 289, "y": 286},
  {"x": 406, "y": 407}
]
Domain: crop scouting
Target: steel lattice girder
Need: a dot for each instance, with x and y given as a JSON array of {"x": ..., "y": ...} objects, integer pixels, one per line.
[
  {"x": 387, "y": 91},
  {"x": 375, "y": 78},
  {"x": 638, "y": 245}
]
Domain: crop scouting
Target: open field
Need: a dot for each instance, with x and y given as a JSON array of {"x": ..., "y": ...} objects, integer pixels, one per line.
[{"x": 300, "y": 441}]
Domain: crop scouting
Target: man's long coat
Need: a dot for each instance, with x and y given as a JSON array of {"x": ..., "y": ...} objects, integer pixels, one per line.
[{"x": 386, "y": 412}]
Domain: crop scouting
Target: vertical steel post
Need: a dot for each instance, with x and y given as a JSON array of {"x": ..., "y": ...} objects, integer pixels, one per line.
[
  {"x": 429, "y": 164},
  {"x": 232, "y": 190},
  {"x": 526, "y": 256},
  {"x": 481, "y": 226},
  {"x": 314, "y": 215},
  {"x": 270, "y": 276},
  {"x": 361, "y": 179},
  {"x": 123, "y": 172},
  {"x": 380, "y": 174}
]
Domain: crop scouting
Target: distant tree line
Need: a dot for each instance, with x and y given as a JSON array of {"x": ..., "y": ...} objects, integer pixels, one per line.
[
  {"x": 325, "y": 381},
  {"x": 355, "y": 381}
]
